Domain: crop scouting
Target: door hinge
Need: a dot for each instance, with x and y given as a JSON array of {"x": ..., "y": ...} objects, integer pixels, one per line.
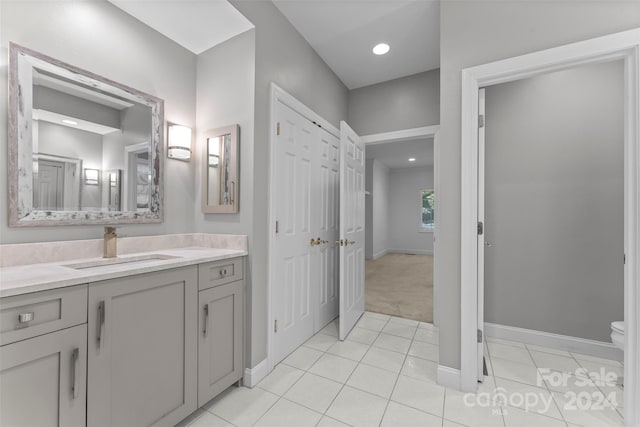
[
  {"x": 278, "y": 128},
  {"x": 481, "y": 121},
  {"x": 480, "y": 228},
  {"x": 624, "y": 258},
  {"x": 275, "y": 325},
  {"x": 479, "y": 336},
  {"x": 277, "y": 227}
]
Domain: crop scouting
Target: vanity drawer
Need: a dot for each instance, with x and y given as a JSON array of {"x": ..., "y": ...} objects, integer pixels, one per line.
[
  {"x": 219, "y": 272},
  {"x": 37, "y": 313}
]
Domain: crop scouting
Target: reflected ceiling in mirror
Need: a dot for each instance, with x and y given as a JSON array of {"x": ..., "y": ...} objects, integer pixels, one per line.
[{"x": 82, "y": 149}]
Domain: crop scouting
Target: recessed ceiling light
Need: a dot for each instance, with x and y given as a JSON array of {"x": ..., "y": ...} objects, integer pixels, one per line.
[
  {"x": 381, "y": 48},
  {"x": 412, "y": 159},
  {"x": 69, "y": 122}
]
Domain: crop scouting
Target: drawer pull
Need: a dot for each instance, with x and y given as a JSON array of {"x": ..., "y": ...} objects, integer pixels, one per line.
[
  {"x": 223, "y": 272},
  {"x": 206, "y": 319},
  {"x": 26, "y": 317},
  {"x": 74, "y": 377},
  {"x": 100, "y": 322}
]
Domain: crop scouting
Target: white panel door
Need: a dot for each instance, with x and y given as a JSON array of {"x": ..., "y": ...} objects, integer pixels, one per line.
[
  {"x": 481, "y": 113},
  {"x": 351, "y": 229},
  {"x": 326, "y": 197},
  {"x": 292, "y": 275},
  {"x": 49, "y": 187}
]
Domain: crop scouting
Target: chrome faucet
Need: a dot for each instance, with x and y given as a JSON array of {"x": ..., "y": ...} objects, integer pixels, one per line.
[{"x": 110, "y": 242}]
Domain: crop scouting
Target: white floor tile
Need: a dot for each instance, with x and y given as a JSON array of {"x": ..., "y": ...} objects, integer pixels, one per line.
[
  {"x": 371, "y": 323},
  {"x": 548, "y": 350},
  {"x": 510, "y": 370},
  {"x": 420, "y": 369},
  {"x": 537, "y": 400},
  {"x": 314, "y": 392},
  {"x": 349, "y": 349},
  {"x": 363, "y": 336},
  {"x": 597, "y": 367},
  {"x": 515, "y": 417},
  {"x": 448, "y": 423},
  {"x": 554, "y": 362},
  {"x": 385, "y": 359},
  {"x": 243, "y": 406},
  {"x": 400, "y": 330},
  {"x": 398, "y": 415},
  {"x": 357, "y": 408},
  {"x": 302, "y": 358},
  {"x": 321, "y": 342},
  {"x": 426, "y": 396},
  {"x": 331, "y": 329},
  {"x": 469, "y": 413},
  {"x": 584, "y": 415},
  {"x": 281, "y": 379},
  {"x": 393, "y": 343},
  {"x": 425, "y": 325},
  {"x": 207, "y": 419},
  {"x": 506, "y": 342},
  {"x": 503, "y": 351},
  {"x": 611, "y": 362},
  {"x": 403, "y": 321},
  {"x": 556, "y": 382},
  {"x": 427, "y": 335},
  {"x": 373, "y": 380},
  {"x": 333, "y": 367},
  {"x": 424, "y": 350},
  {"x": 288, "y": 414},
  {"x": 330, "y": 422}
]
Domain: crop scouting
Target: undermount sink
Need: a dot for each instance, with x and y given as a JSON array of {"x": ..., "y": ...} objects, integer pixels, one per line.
[{"x": 115, "y": 261}]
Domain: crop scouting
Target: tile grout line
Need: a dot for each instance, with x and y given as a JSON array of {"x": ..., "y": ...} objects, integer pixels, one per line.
[{"x": 395, "y": 384}]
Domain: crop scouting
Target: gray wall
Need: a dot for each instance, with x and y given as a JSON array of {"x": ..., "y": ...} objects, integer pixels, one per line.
[
  {"x": 284, "y": 57},
  {"x": 474, "y": 33},
  {"x": 403, "y": 103},
  {"x": 380, "y": 209},
  {"x": 405, "y": 210},
  {"x": 59, "y": 102},
  {"x": 101, "y": 38},
  {"x": 554, "y": 202}
]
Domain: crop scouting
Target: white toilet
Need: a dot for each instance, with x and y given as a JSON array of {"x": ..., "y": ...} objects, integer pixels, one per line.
[{"x": 617, "y": 334}]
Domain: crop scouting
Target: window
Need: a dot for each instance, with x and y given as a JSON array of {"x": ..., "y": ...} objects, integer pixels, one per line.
[{"x": 428, "y": 209}]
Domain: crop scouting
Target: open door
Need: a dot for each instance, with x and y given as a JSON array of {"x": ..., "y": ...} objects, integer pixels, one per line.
[
  {"x": 481, "y": 241},
  {"x": 351, "y": 241}
]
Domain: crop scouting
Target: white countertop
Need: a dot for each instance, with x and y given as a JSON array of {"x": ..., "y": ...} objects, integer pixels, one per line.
[{"x": 23, "y": 279}]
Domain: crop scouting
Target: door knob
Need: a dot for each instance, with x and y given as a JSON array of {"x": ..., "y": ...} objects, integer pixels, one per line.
[
  {"x": 312, "y": 242},
  {"x": 488, "y": 244}
]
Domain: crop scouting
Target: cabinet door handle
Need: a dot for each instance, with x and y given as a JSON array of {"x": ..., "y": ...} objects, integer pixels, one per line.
[
  {"x": 26, "y": 317},
  {"x": 206, "y": 320},
  {"x": 74, "y": 377},
  {"x": 100, "y": 322}
]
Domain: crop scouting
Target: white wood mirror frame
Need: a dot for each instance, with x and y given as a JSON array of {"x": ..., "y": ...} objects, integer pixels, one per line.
[
  {"x": 23, "y": 151},
  {"x": 220, "y": 170}
]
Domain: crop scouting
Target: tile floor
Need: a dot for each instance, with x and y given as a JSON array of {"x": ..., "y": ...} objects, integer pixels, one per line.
[{"x": 384, "y": 374}]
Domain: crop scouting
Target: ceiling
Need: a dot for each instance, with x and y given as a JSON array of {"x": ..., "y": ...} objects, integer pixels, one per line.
[
  {"x": 194, "y": 24},
  {"x": 395, "y": 155},
  {"x": 343, "y": 32}
]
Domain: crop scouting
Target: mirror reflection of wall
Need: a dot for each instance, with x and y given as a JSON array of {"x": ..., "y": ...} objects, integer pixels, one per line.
[
  {"x": 213, "y": 180},
  {"x": 94, "y": 129}
]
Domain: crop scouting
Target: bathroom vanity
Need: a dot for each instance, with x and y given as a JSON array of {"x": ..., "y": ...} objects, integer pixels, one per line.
[{"x": 143, "y": 339}]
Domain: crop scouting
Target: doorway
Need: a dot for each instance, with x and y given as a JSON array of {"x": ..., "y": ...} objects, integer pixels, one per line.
[
  {"x": 624, "y": 46},
  {"x": 400, "y": 204}
]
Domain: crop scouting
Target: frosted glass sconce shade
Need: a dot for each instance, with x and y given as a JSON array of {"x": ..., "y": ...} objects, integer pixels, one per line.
[{"x": 179, "y": 146}]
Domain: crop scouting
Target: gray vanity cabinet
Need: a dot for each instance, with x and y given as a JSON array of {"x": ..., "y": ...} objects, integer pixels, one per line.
[
  {"x": 142, "y": 349},
  {"x": 220, "y": 343},
  {"x": 43, "y": 380}
]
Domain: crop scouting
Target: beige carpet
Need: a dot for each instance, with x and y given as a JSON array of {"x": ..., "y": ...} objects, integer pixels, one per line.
[{"x": 400, "y": 285}]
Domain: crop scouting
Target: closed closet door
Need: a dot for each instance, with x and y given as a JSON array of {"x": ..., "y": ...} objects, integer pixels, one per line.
[
  {"x": 305, "y": 257},
  {"x": 293, "y": 294}
]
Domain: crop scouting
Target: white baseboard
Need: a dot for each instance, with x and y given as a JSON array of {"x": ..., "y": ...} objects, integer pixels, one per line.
[
  {"x": 410, "y": 251},
  {"x": 560, "y": 342},
  {"x": 449, "y": 377},
  {"x": 252, "y": 376},
  {"x": 380, "y": 254}
]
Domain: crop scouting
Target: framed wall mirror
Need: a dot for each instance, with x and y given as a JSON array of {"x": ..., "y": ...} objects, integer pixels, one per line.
[
  {"x": 82, "y": 148},
  {"x": 220, "y": 170}
]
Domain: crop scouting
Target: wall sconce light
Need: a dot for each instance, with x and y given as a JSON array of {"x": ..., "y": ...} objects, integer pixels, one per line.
[
  {"x": 91, "y": 176},
  {"x": 179, "y": 146}
]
